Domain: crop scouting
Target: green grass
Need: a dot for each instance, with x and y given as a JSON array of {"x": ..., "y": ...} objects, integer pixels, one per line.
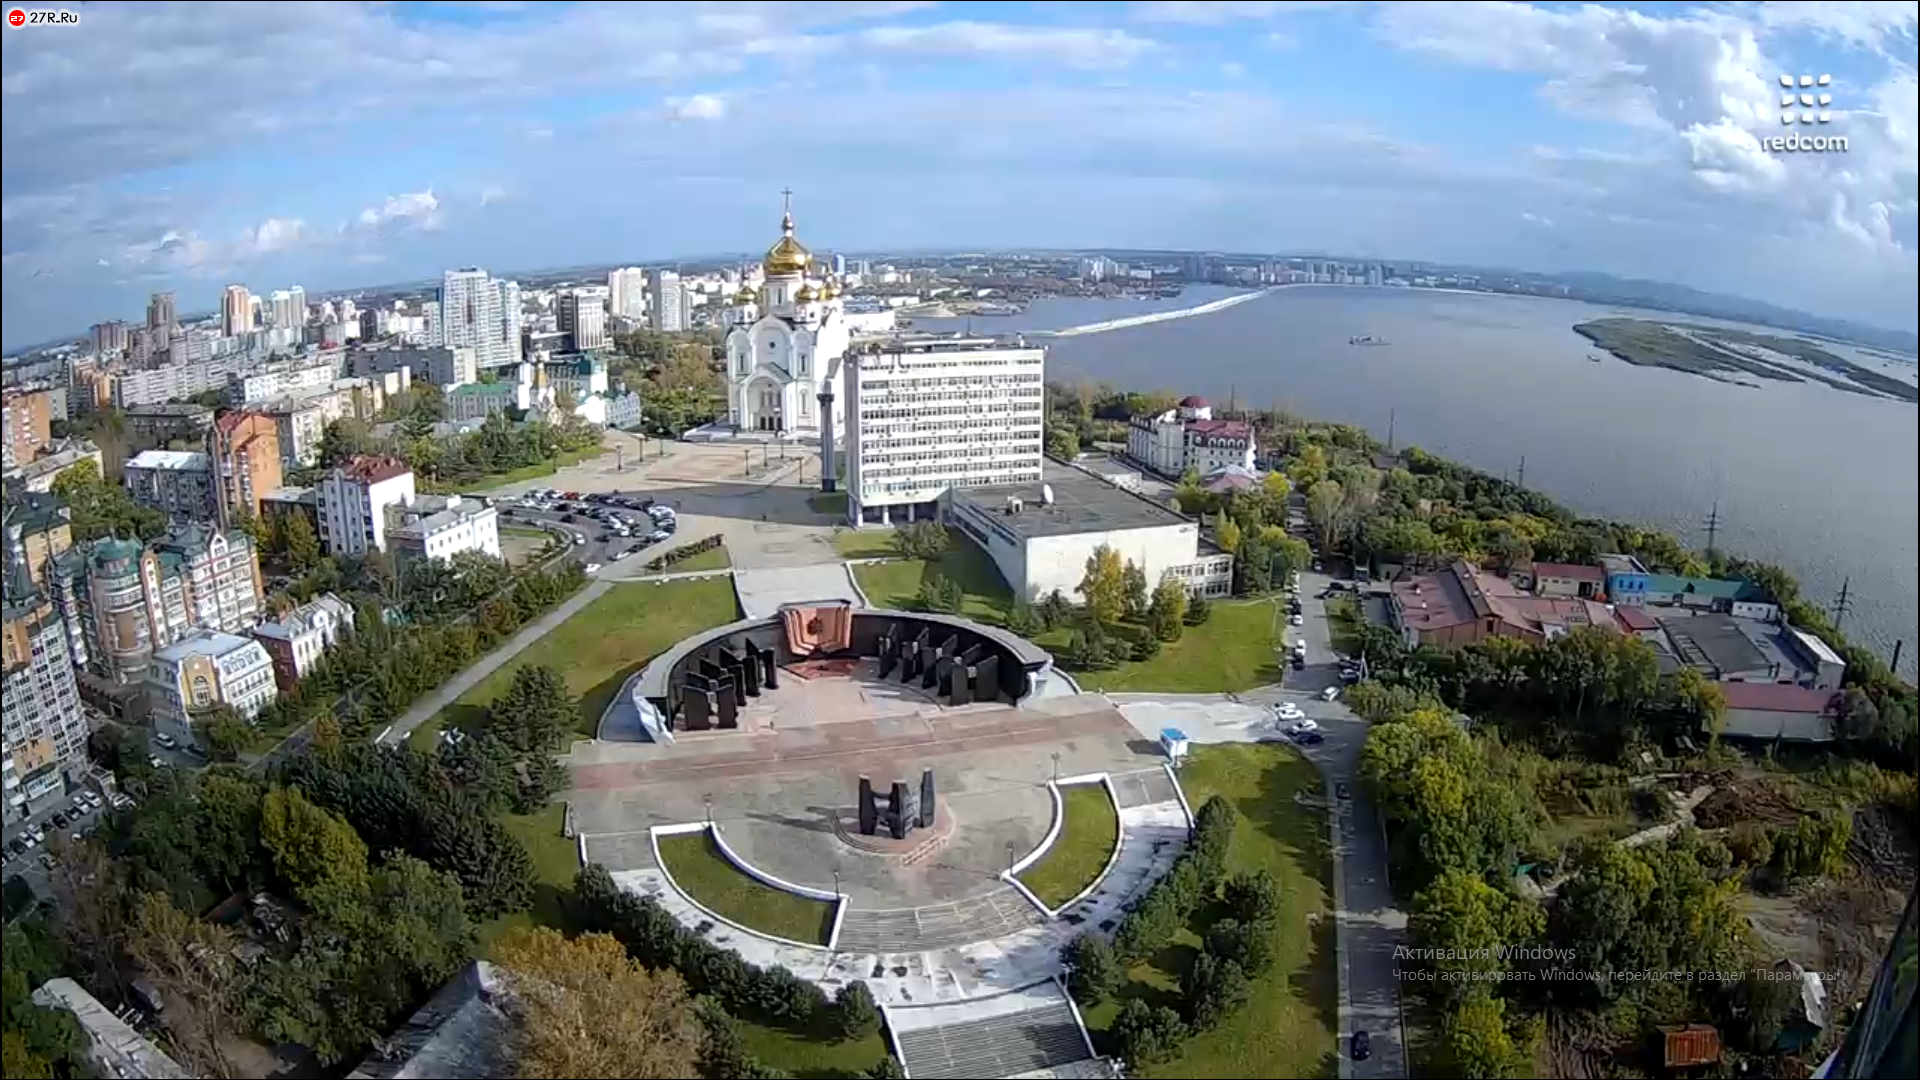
[
  {"x": 556, "y": 860},
  {"x": 1232, "y": 650},
  {"x": 710, "y": 559},
  {"x": 1288, "y": 1027},
  {"x": 1343, "y": 624},
  {"x": 602, "y": 644},
  {"x": 807, "y": 1056},
  {"x": 897, "y": 584},
  {"x": 704, "y": 874},
  {"x": 1089, "y": 831},
  {"x": 482, "y": 484},
  {"x": 864, "y": 543}
]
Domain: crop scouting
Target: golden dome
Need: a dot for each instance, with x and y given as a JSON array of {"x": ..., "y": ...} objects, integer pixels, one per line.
[
  {"x": 787, "y": 256},
  {"x": 745, "y": 296},
  {"x": 831, "y": 291},
  {"x": 807, "y": 294}
]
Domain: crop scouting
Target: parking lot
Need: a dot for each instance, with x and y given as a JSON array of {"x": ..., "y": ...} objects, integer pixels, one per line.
[
  {"x": 24, "y": 850},
  {"x": 604, "y": 528}
]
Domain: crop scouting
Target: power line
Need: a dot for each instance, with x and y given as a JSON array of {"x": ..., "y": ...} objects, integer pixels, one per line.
[
  {"x": 1844, "y": 603},
  {"x": 1713, "y": 527}
]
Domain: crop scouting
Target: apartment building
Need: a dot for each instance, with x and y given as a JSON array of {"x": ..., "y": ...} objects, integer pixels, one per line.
[
  {"x": 157, "y": 425},
  {"x": 445, "y": 366},
  {"x": 26, "y": 417},
  {"x": 205, "y": 669},
  {"x": 297, "y": 640},
  {"x": 37, "y": 529},
  {"x": 243, "y": 450},
  {"x": 284, "y": 377},
  {"x": 929, "y": 415},
  {"x": 43, "y": 730},
  {"x": 442, "y": 526},
  {"x": 352, "y": 503},
  {"x": 178, "y": 483}
]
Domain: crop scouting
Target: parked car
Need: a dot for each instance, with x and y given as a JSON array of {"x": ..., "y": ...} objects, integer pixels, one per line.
[
  {"x": 1330, "y": 693},
  {"x": 1297, "y": 619},
  {"x": 1362, "y": 1046},
  {"x": 1289, "y": 711},
  {"x": 1299, "y": 662},
  {"x": 59, "y": 819},
  {"x": 1310, "y": 738},
  {"x": 592, "y": 567},
  {"x": 1301, "y": 726},
  {"x": 166, "y": 741},
  {"x": 616, "y": 556}
]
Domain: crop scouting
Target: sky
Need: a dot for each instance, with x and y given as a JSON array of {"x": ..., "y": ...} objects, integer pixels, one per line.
[{"x": 330, "y": 145}]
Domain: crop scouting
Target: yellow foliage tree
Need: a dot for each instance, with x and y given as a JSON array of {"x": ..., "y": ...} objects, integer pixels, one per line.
[{"x": 585, "y": 1009}]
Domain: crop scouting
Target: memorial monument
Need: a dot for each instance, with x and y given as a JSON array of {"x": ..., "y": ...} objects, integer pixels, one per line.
[{"x": 898, "y": 811}]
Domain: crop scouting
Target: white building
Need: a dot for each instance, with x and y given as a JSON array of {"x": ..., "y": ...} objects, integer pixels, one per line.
[
  {"x": 236, "y": 311},
  {"x": 627, "y": 293},
  {"x": 481, "y": 313},
  {"x": 671, "y": 304},
  {"x": 442, "y": 526},
  {"x": 352, "y": 501},
  {"x": 785, "y": 349},
  {"x": 297, "y": 640},
  {"x": 1188, "y": 437},
  {"x": 176, "y": 482},
  {"x": 445, "y": 366},
  {"x": 283, "y": 377},
  {"x": 926, "y": 415},
  {"x": 582, "y": 315},
  {"x": 43, "y": 730},
  {"x": 206, "y": 669},
  {"x": 1040, "y": 535}
]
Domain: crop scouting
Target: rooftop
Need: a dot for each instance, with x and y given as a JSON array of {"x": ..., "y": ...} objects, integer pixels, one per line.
[
  {"x": 431, "y": 513},
  {"x": 305, "y": 618},
  {"x": 1727, "y": 644},
  {"x": 1717, "y": 588},
  {"x": 1080, "y": 503},
  {"x": 460, "y": 1031},
  {"x": 908, "y": 344},
  {"x": 170, "y": 408},
  {"x": 1570, "y": 571},
  {"x": 372, "y": 469},
  {"x": 1220, "y": 429},
  {"x": 1773, "y": 697},
  {"x": 202, "y": 643},
  {"x": 1620, "y": 564},
  {"x": 1635, "y": 620},
  {"x": 170, "y": 460}
]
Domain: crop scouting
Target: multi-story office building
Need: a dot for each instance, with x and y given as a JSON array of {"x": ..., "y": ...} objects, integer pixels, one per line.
[
  {"x": 43, "y": 731},
  {"x": 928, "y": 415},
  {"x": 205, "y": 669},
  {"x": 297, "y": 640},
  {"x": 480, "y": 313},
  {"x": 26, "y": 417},
  {"x": 444, "y": 366},
  {"x": 236, "y": 311},
  {"x": 178, "y": 483},
  {"x": 353, "y": 500},
  {"x": 296, "y": 307},
  {"x": 243, "y": 450},
  {"x": 627, "y": 293},
  {"x": 122, "y": 599},
  {"x": 442, "y": 526},
  {"x": 161, "y": 319},
  {"x": 582, "y": 316},
  {"x": 110, "y": 337},
  {"x": 510, "y": 323},
  {"x": 670, "y": 301}
]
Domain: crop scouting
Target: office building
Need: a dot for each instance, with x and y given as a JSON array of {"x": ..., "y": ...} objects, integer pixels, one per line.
[
  {"x": 670, "y": 302},
  {"x": 236, "y": 311},
  {"x": 110, "y": 337},
  {"x": 478, "y": 312},
  {"x": 122, "y": 599},
  {"x": 26, "y": 418},
  {"x": 442, "y": 526},
  {"x": 928, "y": 415},
  {"x": 43, "y": 731},
  {"x": 299, "y": 639},
  {"x": 205, "y": 669},
  {"x": 444, "y": 366},
  {"x": 161, "y": 319},
  {"x": 243, "y": 452},
  {"x": 178, "y": 483},
  {"x": 627, "y": 293},
  {"x": 1188, "y": 438},
  {"x": 353, "y": 500},
  {"x": 582, "y": 315}
]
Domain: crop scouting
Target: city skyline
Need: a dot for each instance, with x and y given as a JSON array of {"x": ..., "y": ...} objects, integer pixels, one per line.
[{"x": 1546, "y": 139}]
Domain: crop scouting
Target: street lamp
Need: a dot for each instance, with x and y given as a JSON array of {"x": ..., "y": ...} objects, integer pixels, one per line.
[
  {"x": 709, "y": 802},
  {"x": 836, "y": 881},
  {"x": 1056, "y": 766}
]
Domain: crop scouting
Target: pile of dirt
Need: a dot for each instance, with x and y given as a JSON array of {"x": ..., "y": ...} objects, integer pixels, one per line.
[
  {"x": 1737, "y": 799},
  {"x": 1884, "y": 847}
]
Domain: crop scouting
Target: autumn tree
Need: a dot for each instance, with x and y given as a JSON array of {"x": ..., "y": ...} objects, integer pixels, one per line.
[
  {"x": 585, "y": 1009},
  {"x": 1104, "y": 586},
  {"x": 1470, "y": 923},
  {"x": 1227, "y": 535},
  {"x": 1135, "y": 596},
  {"x": 191, "y": 963},
  {"x": 300, "y": 542},
  {"x": 1168, "y": 612},
  {"x": 223, "y": 731},
  {"x": 314, "y": 849},
  {"x": 1475, "y": 1040},
  {"x": 1326, "y": 509}
]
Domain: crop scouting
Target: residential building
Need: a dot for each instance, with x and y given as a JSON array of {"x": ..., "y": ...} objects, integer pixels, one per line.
[
  {"x": 297, "y": 640},
  {"x": 1565, "y": 580},
  {"x": 177, "y": 482},
  {"x": 1041, "y": 533},
  {"x": 43, "y": 730},
  {"x": 278, "y": 505},
  {"x": 39, "y": 474},
  {"x": 1774, "y": 713},
  {"x": 929, "y": 415},
  {"x": 311, "y": 372},
  {"x": 444, "y": 366},
  {"x": 161, "y": 423},
  {"x": 670, "y": 301},
  {"x": 1627, "y": 580},
  {"x": 110, "y": 337},
  {"x": 205, "y": 669},
  {"x": 37, "y": 529},
  {"x": 243, "y": 450},
  {"x": 122, "y": 599},
  {"x": 479, "y": 312},
  {"x": 161, "y": 319},
  {"x": 26, "y": 418},
  {"x": 299, "y": 425},
  {"x": 173, "y": 381},
  {"x": 627, "y": 293},
  {"x": 1461, "y": 604},
  {"x": 1189, "y": 438},
  {"x": 114, "y": 1047},
  {"x": 582, "y": 315},
  {"x": 477, "y": 401},
  {"x": 236, "y": 311},
  {"x": 353, "y": 501},
  {"x": 442, "y": 526}
]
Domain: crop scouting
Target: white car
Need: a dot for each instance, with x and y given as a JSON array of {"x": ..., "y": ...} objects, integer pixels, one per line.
[
  {"x": 1330, "y": 693},
  {"x": 1289, "y": 711},
  {"x": 593, "y": 567},
  {"x": 618, "y": 555},
  {"x": 1301, "y": 727},
  {"x": 1296, "y": 620}
]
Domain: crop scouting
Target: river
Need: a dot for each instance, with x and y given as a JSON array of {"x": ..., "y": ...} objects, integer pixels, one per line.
[{"x": 1823, "y": 482}]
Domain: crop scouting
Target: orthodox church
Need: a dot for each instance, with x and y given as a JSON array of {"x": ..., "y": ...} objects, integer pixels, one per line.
[{"x": 785, "y": 345}]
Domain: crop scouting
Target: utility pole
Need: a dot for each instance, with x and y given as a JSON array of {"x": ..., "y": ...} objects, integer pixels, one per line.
[
  {"x": 1844, "y": 603},
  {"x": 1391, "y": 414},
  {"x": 1713, "y": 530},
  {"x": 1898, "y": 647},
  {"x": 1521, "y": 480}
]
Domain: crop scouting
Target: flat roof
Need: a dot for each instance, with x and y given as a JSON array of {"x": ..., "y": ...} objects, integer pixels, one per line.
[
  {"x": 187, "y": 460},
  {"x": 1081, "y": 503},
  {"x": 1728, "y": 643}
]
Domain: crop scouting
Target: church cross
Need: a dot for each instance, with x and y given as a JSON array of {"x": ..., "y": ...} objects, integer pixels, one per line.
[{"x": 786, "y": 199}]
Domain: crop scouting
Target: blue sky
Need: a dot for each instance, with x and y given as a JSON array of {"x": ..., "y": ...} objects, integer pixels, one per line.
[{"x": 331, "y": 145}]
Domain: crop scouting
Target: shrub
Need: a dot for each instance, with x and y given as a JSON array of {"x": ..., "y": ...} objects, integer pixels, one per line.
[
  {"x": 887, "y": 1068},
  {"x": 1248, "y": 944},
  {"x": 855, "y": 1014},
  {"x": 921, "y": 540},
  {"x": 684, "y": 552},
  {"x": 1212, "y": 989},
  {"x": 1198, "y": 611},
  {"x": 1023, "y": 620},
  {"x": 1145, "y": 648},
  {"x": 1253, "y": 897},
  {"x": 1093, "y": 969},
  {"x": 1158, "y": 915},
  {"x": 1143, "y": 1034}
]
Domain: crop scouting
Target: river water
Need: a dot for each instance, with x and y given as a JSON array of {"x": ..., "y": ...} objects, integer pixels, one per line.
[{"x": 1823, "y": 482}]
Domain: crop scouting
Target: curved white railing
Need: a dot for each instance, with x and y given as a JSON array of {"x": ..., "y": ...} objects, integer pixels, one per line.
[
  {"x": 1012, "y": 874},
  {"x": 713, "y": 831}
]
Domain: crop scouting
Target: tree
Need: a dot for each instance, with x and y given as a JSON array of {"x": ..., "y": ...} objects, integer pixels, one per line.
[
  {"x": 98, "y": 508},
  {"x": 1104, "y": 586},
  {"x": 1474, "y": 1039},
  {"x": 1023, "y": 620},
  {"x": 302, "y": 546},
  {"x": 1093, "y": 970},
  {"x": 584, "y": 1009},
  {"x": 343, "y": 440},
  {"x": 1054, "y": 610},
  {"x": 1062, "y": 442},
  {"x": 1251, "y": 945},
  {"x": 1134, "y": 592},
  {"x": 1326, "y": 504},
  {"x": 535, "y": 711},
  {"x": 1227, "y": 535},
  {"x": 227, "y": 827},
  {"x": 939, "y": 593},
  {"x": 1470, "y": 923},
  {"x": 1309, "y": 468},
  {"x": 887, "y": 1068},
  {"x": 1290, "y": 556},
  {"x": 1252, "y": 897},
  {"x": 223, "y": 732},
  {"x": 1167, "y": 614},
  {"x": 1144, "y": 1034},
  {"x": 1212, "y": 989},
  {"x": 1198, "y": 611},
  {"x": 316, "y": 851},
  {"x": 855, "y": 1014},
  {"x": 36, "y": 1042},
  {"x": 922, "y": 540},
  {"x": 191, "y": 963}
]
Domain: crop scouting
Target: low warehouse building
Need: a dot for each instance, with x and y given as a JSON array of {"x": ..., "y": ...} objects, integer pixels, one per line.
[{"x": 1786, "y": 713}]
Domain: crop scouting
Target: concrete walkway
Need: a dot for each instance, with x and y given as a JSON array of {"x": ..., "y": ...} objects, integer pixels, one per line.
[{"x": 429, "y": 706}]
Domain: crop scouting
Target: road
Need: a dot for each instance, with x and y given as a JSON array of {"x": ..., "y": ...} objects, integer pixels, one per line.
[{"x": 1369, "y": 925}]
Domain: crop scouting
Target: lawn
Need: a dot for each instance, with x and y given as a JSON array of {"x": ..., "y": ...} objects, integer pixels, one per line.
[
  {"x": 1343, "y": 624},
  {"x": 603, "y": 643},
  {"x": 1232, "y": 650},
  {"x": 1288, "y": 1026},
  {"x": 864, "y": 543},
  {"x": 1089, "y": 831},
  {"x": 704, "y": 874},
  {"x": 896, "y": 584},
  {"x": 480, "y": 485},
  {"x": 710, "y": 559},
  {"x": 806, "y": 1055},
  {"x": 556, "y": 860}
]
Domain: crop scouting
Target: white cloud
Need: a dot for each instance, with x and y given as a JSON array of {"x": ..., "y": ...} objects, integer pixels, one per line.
[
  {"x": 414, "y": 210},
  {"x": 491, "y": 194},
  {"x": 1532, "y": 218},
  {"x": 276, "y": 234},
  {"x": 696, "y": 107},
  {"x": 1072, "y": 46},
  {"x": 1209, "y": 12}
]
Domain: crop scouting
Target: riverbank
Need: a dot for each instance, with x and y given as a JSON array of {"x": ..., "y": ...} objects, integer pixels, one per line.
[{"x": 1717, "y": 353}]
